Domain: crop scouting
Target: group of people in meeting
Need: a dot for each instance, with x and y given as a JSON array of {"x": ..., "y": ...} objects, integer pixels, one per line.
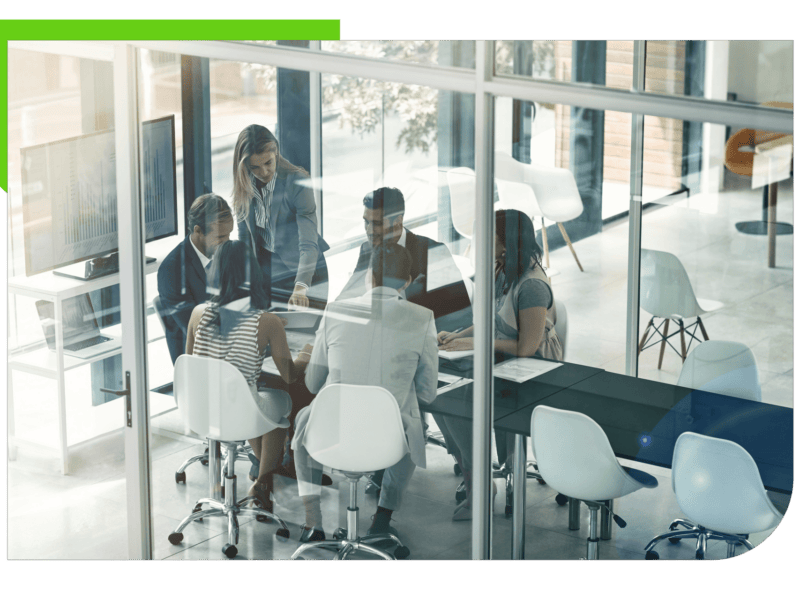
[{"x": 405, "y": 301}]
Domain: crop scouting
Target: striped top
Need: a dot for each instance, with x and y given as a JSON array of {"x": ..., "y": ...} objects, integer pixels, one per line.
[{"x": 240, "y": 347}]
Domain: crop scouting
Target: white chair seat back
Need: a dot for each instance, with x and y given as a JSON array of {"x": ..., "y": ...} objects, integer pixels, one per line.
[
  {"x": 722, "y": 367},
  {"x": 355, "y": 428},
  {"x": 556, "y": 192},
  {"x": 575, "y": 458},
  {"x": 717, "y": 485},
  {"x": 562, "y": 326},
  {"x": 666, "y": 291},
  {"x": 461, "y": 182},
  {"x": 217, "y": 403},
  {"x": 517, "y": 196}
]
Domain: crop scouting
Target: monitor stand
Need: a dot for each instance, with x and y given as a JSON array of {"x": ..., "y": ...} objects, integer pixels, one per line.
[{"x": 94, "y": 268}]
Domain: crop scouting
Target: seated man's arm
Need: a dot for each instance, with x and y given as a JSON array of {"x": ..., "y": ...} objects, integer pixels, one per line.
[
  {"x": 425, "y": 380},
  {"x": 173, "y": 290}
]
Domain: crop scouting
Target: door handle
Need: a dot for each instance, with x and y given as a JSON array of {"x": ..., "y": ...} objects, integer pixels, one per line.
[{"x": 127, "y": 393}]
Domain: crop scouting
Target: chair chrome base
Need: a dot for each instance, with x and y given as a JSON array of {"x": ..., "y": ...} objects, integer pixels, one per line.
[
  {"x": 230, "y": 509},
  {"x": 352, "y": 542},
  {"x": 703, "y": 535},
  {"x": 242, "y": 453}
]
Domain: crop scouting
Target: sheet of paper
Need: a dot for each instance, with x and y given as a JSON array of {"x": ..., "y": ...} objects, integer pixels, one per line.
[
  {"x": 523, "y": 369},
  {"x": 451, "y": 386},
  {"x": 455, "y": 354}
]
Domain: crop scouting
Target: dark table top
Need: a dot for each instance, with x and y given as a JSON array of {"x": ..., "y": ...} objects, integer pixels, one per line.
[
  {"x": 509, "y": 396},
  {"x": 627, "y": 407}
]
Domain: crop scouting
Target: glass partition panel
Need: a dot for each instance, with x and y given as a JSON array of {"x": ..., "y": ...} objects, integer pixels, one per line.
[
  {"x": 730, "y": 276},
  {"x": 443, "y": 53},
  {"x": 66, "y": 470}
]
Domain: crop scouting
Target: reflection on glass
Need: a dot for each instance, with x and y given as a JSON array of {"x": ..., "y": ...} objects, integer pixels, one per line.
[{"x": 710, "y": 234}]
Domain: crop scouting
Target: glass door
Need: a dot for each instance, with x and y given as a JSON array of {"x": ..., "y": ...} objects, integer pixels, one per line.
[{"x": 77, "y": 468}]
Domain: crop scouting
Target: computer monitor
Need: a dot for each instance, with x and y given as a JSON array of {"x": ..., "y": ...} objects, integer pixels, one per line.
[{"x": 69, "y": 196}]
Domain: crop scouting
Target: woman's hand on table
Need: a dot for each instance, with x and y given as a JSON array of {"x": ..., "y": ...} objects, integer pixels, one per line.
[
  {"x": 454, "y": 345},
  {"x": 298, "y": 299}
]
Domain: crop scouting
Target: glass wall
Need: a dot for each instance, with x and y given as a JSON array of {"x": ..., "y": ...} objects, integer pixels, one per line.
[
  {"x": 391, "y": 219},
  {"x": 59, "y": 424}
]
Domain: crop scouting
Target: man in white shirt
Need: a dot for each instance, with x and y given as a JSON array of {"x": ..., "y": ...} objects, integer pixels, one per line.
[{"x": 392, "y": 345}]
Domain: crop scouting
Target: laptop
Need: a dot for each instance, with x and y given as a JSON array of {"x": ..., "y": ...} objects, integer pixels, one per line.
[{"x": 82, "y": 337}]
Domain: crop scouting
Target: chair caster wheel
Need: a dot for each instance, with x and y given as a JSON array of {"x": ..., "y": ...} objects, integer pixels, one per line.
[
  {"x": 198, "y": 508},
  {"x": 509, "y": 510},
  {"x": 461, "y": 495},
  {"x": 401, "y": 553},
  {"x": 175, "y": 538},
  {"x": 651, "y": 555},
  {"x": 561, "y": 499},
  {"x": 457, "y": 470},
  {"x": 230, "y": 550},
  {"x": 699, "y": 555},
  {"x": 180, "y": 477},
  {"x": 204, "y": 462},
  {"x": 340, "y": 534},
  {"x": 282, "y": 534},
  {"x": 674, "y": 540}
]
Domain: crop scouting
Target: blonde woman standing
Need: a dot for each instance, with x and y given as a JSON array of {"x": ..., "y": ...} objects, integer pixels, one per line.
[{"x": 277, "y": 216}]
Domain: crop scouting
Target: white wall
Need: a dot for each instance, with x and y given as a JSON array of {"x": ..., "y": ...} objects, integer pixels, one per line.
[{"x": 761, "y": 71}]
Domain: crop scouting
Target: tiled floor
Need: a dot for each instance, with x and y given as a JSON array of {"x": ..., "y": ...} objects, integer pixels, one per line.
[{"x": 83, "y": 515}]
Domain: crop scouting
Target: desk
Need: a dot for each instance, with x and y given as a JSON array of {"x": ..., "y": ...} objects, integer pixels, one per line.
[
  {"x": 42, "y": 361},
  {"x": 626, "y": 407}
]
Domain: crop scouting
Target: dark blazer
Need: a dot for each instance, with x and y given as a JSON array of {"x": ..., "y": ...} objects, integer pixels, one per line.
[
  {"x": 181, "y": 287},
  {"x": 436, "y": 281},
  {"x": 294, "y": 213}
]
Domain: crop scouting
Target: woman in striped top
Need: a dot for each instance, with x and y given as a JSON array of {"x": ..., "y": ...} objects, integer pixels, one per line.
[{"x": 234, "y": 326}]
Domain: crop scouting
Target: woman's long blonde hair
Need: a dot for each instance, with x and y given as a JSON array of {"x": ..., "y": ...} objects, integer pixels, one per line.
[{"x": 254, "y": 139}]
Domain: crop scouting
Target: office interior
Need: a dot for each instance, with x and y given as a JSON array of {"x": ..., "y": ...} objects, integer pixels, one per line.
[{"x": 644, "y": 129}]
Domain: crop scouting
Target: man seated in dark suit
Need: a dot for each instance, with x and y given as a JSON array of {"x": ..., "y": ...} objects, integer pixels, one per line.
[
  {"x": 182, "y": 275},
  {"x": 437, "y": 283}
]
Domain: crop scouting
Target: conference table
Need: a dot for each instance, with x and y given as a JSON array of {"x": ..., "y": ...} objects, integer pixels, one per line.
[
  {"x": 626, "y": 408},
  {"x": 642, "y": 419}
]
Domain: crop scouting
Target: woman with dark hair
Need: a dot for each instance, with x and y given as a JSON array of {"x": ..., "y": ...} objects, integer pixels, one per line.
[
  {"x": 524, "y": 324},
  {"x": 277, "y": 215},
  {"x": 234, "y": 326}
]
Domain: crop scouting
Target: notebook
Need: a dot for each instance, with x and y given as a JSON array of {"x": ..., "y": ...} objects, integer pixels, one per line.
[{"x": 82, "y": 337}]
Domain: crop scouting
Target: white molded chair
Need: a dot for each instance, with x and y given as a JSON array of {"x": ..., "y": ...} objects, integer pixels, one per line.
[
  {"x": 216, "y": 402},
  {"x": 576, "y": 459},
  {"x": 355, "y": 429},
  {"x": 242, "y": 452},
  {"x": 461, "y": 183},
  {"x": 667, "y": 293},
  {"x": 721, "y": 367},
  {"x": 718, "y": 487},
  {"x": 554, "y": 197}
]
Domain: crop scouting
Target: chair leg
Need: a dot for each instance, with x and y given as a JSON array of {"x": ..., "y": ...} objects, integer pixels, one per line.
[
  {"x": 683, "y": 342},
  {"x": 700, "y": 550},
  {"x": 663, "y": 343},
  {"x": 644, "y": 337},
  {"x": 702, "y": 328},
  {"x": 569, "y": 243},
  {"x": 592, "y": 540},
  {"x": 544, "y": 243}
]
